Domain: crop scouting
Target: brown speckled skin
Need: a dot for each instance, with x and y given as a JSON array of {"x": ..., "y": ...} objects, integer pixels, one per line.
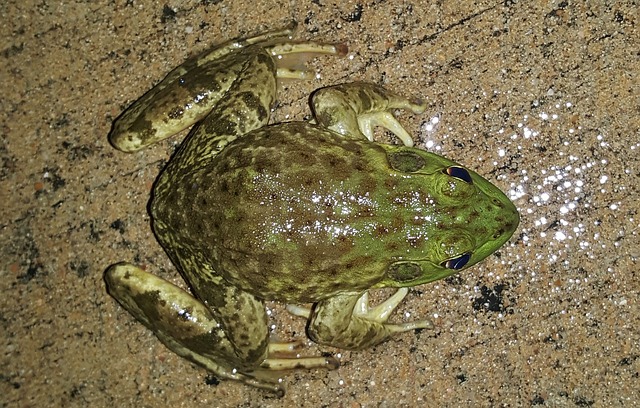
[{"x": 295, "y": 212}]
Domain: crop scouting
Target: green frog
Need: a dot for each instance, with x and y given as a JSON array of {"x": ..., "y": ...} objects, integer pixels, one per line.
[{"x": 299, "y": 212}]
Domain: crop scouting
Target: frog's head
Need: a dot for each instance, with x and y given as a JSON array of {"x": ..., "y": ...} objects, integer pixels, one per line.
[{"x": 461, "y": 220}]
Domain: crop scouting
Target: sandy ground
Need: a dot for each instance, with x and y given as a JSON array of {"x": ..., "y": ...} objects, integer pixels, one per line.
[{"x": 541, "y": 97}]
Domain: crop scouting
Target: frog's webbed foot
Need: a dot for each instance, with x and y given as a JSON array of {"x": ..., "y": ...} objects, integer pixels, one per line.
[
  {"x": 283, "y": 356},
  {"x": 356, "y": 108},
  {"x": 346, "y": 321},
  {"x": 289, "y": 358},
  {"x": 381, "y": 312}
]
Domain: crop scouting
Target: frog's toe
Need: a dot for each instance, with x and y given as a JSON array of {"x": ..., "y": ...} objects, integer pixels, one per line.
[
  {"x": 383, "y": 118},
  {"x": 381, "y": 312},
  {"x": 289, "y": 363},
  {"x": 299, "y": 311},
  {"x": 285, "y": 356},
  {"x": 368, "y": 121}
]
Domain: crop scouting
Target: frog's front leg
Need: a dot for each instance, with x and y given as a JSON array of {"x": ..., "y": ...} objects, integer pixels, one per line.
[
  {"x": 235, "y": 348},
  {"x": 354, "y": 109},
  {"x": 347, "y": 322}
]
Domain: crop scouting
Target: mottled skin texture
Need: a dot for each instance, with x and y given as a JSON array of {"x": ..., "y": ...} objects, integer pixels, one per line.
[
  {"x": 334, "y": 224},
  {"x": 296, "y": 212}
]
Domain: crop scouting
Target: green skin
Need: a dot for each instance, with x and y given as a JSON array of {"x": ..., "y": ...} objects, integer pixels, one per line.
[{"x": 296, "y": 212}]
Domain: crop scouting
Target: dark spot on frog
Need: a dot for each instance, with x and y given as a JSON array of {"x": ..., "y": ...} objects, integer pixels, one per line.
[
  {"x": 390, "y": 184},
  {"x": 148, "y": 302},
  {"x": 224, "y": 186},
  {"x": 327, "y": 117},
  {"x": 366, "y": 211},
  {"x": 364, "y": 99},
  {"x": 140, "y": 129},
  {"x": 498, "y": 233},
  {"x": 416, "y": 242},
  {"x": 176, "y": 113},
  {"x": 306, "y": 158},
  {"x": 360, "y": 165},
  {"x": 392, "y": 246},
  {"x": 185, "y": 314},
  {"x": 368, "y": 184},
  {"x": 264, "y": 59},
  {"x": 474, "y": 215},
  {"x": 345, "y": 241},
  {"x": 306, "y": 178},
  {"x": 253, "y": 103},
  {"x": 380, "y": 231}
]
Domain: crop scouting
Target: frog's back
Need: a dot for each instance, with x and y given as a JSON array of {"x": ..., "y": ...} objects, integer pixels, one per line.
[{"x": 276, "y": 212}]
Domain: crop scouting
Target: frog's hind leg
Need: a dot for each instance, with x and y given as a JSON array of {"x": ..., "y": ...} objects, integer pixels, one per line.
[
  {"x": 231, "y": 340},
  {"x": 356, "y": 108},
  {"x": 346, "y": 321},
  {"x": 191, "y": 90},
  {"x": 186, "y": 326}
]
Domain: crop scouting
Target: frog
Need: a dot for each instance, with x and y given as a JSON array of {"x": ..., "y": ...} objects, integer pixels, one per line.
[{"x": 311, "y": 212}]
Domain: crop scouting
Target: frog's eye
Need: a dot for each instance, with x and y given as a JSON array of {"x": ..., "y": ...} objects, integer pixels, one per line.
[
  {"x": 457, "y": 262},
  {"x": 459, "y": 173}
]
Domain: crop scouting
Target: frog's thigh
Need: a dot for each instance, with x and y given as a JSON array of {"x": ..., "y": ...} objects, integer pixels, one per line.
[
  {"x": 246, "y": 107},
  {"x": 346, "y": 321},
  {"x": 186, "y": 326}
]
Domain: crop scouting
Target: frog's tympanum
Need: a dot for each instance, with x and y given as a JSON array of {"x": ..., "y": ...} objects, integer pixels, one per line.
[{"x": 298, "y": 212}]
